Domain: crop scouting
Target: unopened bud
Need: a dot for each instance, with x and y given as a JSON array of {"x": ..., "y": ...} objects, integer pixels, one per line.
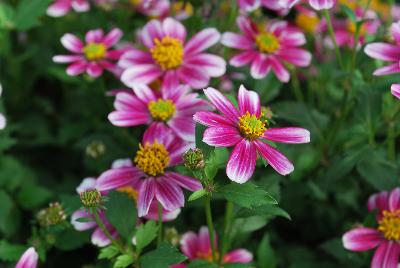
[
  {"x": 91, "y": 199},
  {"x": 52, "y": 215},
  {"x": 194, "y": 159},
  {"x": 172, "y": 236},
  {"x": 95, "y": 149}
]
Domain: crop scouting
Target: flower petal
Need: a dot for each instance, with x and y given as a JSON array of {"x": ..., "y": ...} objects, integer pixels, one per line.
[
  {"x": 184, "y": 127},
  {"x": 67, "y": 58},
  {"x": 288, "y": 135},
  {"x": 112, "y": 37},
  {"x": 322, "y": 4},
  {"x": 202, "y": 40},
  {"x": 222, "y": 104},
  {"x": 94, "y": 36},
  {"x": 396, "y": 90},
  {"x": 58, "y": 9},
  {"x": 221, "y": 136},
  {"x": 389, "y": 69},
  {"x": 247, "y": 27},
  {"x": 280, "y": 71},
  {"x": 145, "y": 196},
  {"x": 118, "y": 177},
  {"x": 361, "y": 239},
  {"x": 141, "y": 74},
  {"x": 87, "y": 183},
  {"x": 237, "y": 41},
  {"x": 93, "y": 69},
  {"x": 29, "y": 259},
  {"x": 394, "y": 199},
  {"x": 276, "y": 159},
  {"x": 243, "y": 58},
  {"x": 193, "y": 76},
  {"x": 213, "y": 65},
  {"x": 295, "y": 56},
  {"x": 133, "y": 57},
  {"x": 386, "y": 256},
  {"x": 395, "y": 30},
  {"x": 151, "y": 31},
  {"x": 260, "y": 67},
  {"x": 174, "y": 28},
  {"x": 189, "y": 245},
  {"x": 211, "y": 119},
  {"x": 99, "y": 238},
  {"x": 76, "y": 68},
  {"x": 72, "y": 43},
  {"x": 379, "y": 201},
  {"x": 242, "y": 162},
  {"x": 249, "y": 101},
  {"x": 128, "y": 118},
  {"x": 186, "y": 182},
  {"x": 169, "y": 194},
  {"x": 383, "y": 51},
  {"x": 82, "y": 226},
  {"x": 144, "y": 93},
  {"x": 238, "y": 256}
]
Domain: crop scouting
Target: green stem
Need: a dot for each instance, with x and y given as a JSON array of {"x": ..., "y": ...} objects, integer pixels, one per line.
[
  {"x": 391, "y": 145},
  {"x": 100, "y": 223},
  {"x": 227, "y": 230},
  {"x": 207, "y": 205},
  {"x": 160, "y": 224},
  {"x": 333, "y": 37},
  {"x": 296, "y": 87}
]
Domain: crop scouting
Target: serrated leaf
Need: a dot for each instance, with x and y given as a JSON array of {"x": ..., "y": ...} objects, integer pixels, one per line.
[
  {"x": 121, "y": 213},
  {"x": 108, "y": 252},
  {"x": 123, "y": 261},
  {"x": 145, "y": 234},
  {"x": 198, "y": 194},
  {"x": 28, "y": 12},
  {"x": 162, "y": 257},
  {"x": 247, "y": 195},
  {"x": 10, "y": 252},
  {"x": 265, "y": 210}
]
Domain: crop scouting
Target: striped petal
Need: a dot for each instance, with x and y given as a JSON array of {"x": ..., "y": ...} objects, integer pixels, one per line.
[
  {"x": 211, "y": 119},
  {"x": 202, "y": 40},
  {"x": 248, "y": 101},
  {"x": 276, "y": 159},
  {"x": 237, "y": 41},
  {"x": 118, "y": 177},
  {"x": 383, "y": 51},
  {"x": 288, "y": 135},
  {"x": 221, "y": 136},
  {"x": 222, "y": 104},
  {"x": 361, "y": 239},
  {"x": 387, "y": 255},
  {"x": 242, "y": 162},
  {"x": 141, "y": 74},
  {"x": 145, "y": 196},
  {"x": 72, "y": 43},
  {"x": 29, "y": 259},
  {"x": 169, "y": 194}
]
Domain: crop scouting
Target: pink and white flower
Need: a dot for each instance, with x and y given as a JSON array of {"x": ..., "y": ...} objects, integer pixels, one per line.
[
  {"x": 61, "y": 7},
  {"x": 387, "y": 52},
  {"x": 245, "y": 130},
  {"x": 94, "y": 55},
  {"x": 385, "y": 237},
  {"x": 29, "y": 259},
  {"x": 167, "y": 55},
  {"x": 267, "y": 48},
  {"x": 159, "y": 150},
  {"x": 198, "y": 247},
  {"x": 173, "y": 106},
  {"x": 151, "y": 8}
]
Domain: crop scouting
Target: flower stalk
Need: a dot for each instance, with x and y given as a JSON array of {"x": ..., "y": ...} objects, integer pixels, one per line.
[
  {"x": 100, "y": 223},
  {"x": 207, "y": 206},
  {"x": 227, "y": 230},
  {"x": 160, "y": 224},
  {"x": 333, "y": 37}
]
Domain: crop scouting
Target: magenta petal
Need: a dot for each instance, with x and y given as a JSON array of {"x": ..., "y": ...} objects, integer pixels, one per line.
[
  {"x": 260, "y": 67},
  {"x": 211, "y": 119},
  {"x": 296, "y": 56},
  {"x": 249, "y": 101},
  {"x": 82, "y": 226},
  {"x": 222, "y": 104},
  {"x": 186, "y": 182},
  {"x": 151, "y": 31},
  {"x": 67, "y": 58},
  {"x": 141, "y": 74},
  {"x": 288, "y": 135},
  {"x": 203, "y": 240},
  {"x": 322, "y": 4},
  {"x": 29, "y": 259},
  {"x": 237, "y": 41},
  {"x": 169, "y": 194},
  {"x": 128, "y": 118},
  {"x": 58, "y": 9},
  {"x": 76, "y": 68},
  {"x": 99, "y": 238},
  {"x": 379, "y": 201},
  {"x": 238, "y": 256},
  {"x": 280, "y": 71},
  {"x": 94, "y": 69},
  {"x": 202, "y": 40},
  {"x": 215, "y": 66},
  {"x": 145, "y": 196},
  {"x": 383, "y": 51},
  {"x": 112, "y": 37},
  {"x": 184, "y": 127},
  {"x": 362, "y": 239},
  {"x": 386, "y": 256},
  {"x": 395, "y": 30},
  {"x": 80, "y": 5},
  {"x": 87, "y": 183},
  {"x": 243, "y": 58},
  {"x": 127, "y": 101},
  {"x": 276, "y": 159},
  {"x": 174, "y": 28},
  {"x": 189, "y": 245},
  {"x": 394, "y": 199},
  {"x": 144, "y": 93},
  {"x": 396, "y": 90},
  {"x": 118, "y": 177},
  {"x": 247, "y": 27},
  {"x": 242, "y": 162},
  {"x": 222, "y": 136},
  {"x": 389, "y": 69},
  {"x": 133, "y": 57},
  {"x": 94, "y": 36},
  {"x": 72, "y": 43},
  {"x": 193, "y": 76}
]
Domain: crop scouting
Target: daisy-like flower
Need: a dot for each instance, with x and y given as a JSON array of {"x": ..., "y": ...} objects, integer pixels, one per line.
[
  {"x": 94, "y": 55},
  {"x": 169, "y": 57},
  {"x": 385, "y": 236},
  {"x": 159, "y": 150},
  {"x": 61, "y": 7},
  {"x": 29, "y": 259},
  {"x": 387, "y": 52},
  {"x": 267, "y": 48},
  {"x": 175, "y": 107},
  {"x": 198, "y": 247},
  {"x": 247, "y": 131}
]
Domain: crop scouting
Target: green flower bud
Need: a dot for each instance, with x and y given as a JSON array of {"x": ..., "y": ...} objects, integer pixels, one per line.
[
  {"x": 194, "y": 159},
  {"x": 91, "y": 199},
  {"x": 52, "y": 215}
]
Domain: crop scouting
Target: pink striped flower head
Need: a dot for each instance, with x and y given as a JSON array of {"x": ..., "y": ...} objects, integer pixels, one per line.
[
  {"x": 385, "y": 237},
  {"x": 387, "y": 52},
  {"x": 94, "y": 55},
  {"x": 29, "y": 259},
  {"x": 167, "y": 55},
  {"x": 198, "y": 247},
  {"x": 267, "y": 48},
  {"x": 173, "y": 106},
  {"x": 159, "y": 150},
  {"x": 246, "y": 130},
  {"x": 61, "y": 7}
]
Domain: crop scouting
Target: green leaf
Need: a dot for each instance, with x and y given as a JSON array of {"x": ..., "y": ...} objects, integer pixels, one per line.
[
  {"x": 349, "y": 13},
  {"x": 201, "y": 264},
  {"x": 33, "y": 196},
  {"x": 6, "y": 210},
  {"x": 265, "y": 210},
  {"x": 217, "y": 160},
  {"x": 28, "y": 12},
  {"x": 10, "y": 252},
  {"x": 266, "y": 255},
  {"x": 247, "y": 195},
  {"x": 145, "y": 234},
  {"x": 199, "y": 141},
  {"x": 121, "y": 213},
  {"x": 162, "y": 257},
  {"x": 6, "y": 16},
  {"x": 238, "y": 265},
  {"x": 108, "y": 252},
  {"x": 71, "y": 239},
  {"x": 198, "y": 194},
  {"x": 123, "y": 261}
]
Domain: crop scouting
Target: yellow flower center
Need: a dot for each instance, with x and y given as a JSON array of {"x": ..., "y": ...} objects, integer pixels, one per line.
[
  {"x": 307, "y": 22},
  {"x": 152, "y": 159},
  {"x": 130, "y": 191},
  {"x": 168, "y": 52},
  {"x": 94, "y": 51},
  {"x": 267, "y": 42},
  {"x": 251, "y": 126},
  {"x": 389, "y": 225},
  {"x": 206, "y": 255},
  {"x": 352, "y": 28},
  {"x": 186, "y": 7},
  {"x": 161, "y": 110}
]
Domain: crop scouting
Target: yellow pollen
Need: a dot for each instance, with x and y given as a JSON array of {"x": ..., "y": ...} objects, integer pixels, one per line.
[
  {"x": 161, "y": 110},
  {"x": 251, "y": 127},
  {"x": 168, "y": 52},
  {"x": 130, "y": 191},
  {"x": 94, "y": 51},
  {"x": 152, "y": 159},
  {"x": 389, "y": 225},
  {"x": 267, "y": 42},
  {"x": 307, "y": 22}
]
